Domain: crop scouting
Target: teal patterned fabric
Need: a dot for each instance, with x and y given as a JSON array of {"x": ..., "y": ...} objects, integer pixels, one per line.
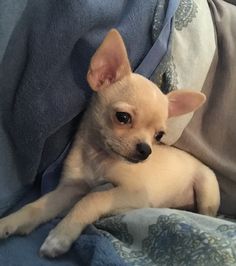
[
  {"x": 165, "y": 75},
  {"x": 185, "y": 13},
  {"x": 171, "y": 237}
]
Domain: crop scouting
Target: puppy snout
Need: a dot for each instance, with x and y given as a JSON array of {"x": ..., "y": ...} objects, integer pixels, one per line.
[{"x": 143, "y": 150}]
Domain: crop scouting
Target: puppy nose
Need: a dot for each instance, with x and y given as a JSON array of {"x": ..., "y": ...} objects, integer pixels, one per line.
[{"x": 143, "y": 150}]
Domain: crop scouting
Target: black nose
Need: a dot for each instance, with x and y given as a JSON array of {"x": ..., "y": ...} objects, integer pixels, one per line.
[{"x": 143, "y": 150}]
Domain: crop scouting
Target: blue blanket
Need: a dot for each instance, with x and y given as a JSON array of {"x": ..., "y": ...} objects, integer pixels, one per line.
[{"x": 140, "y": 237}]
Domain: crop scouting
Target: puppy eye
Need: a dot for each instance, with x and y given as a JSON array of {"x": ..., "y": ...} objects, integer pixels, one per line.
[
  {"x": 123, "y": 117},
  {"x": 159, "y": 135}
]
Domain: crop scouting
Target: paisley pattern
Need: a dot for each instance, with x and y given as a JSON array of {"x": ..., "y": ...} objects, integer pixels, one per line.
[
  {"x": 165, "y": 75},
  {"x": 170, "y": 237},
  {"x": 159, "y": 18},
  {"x": 185, "y": 13},
  {"x": 117, "y": 228}
]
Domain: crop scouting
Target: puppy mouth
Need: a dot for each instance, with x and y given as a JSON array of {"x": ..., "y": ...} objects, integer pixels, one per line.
[{"x": 129, "y": 159}]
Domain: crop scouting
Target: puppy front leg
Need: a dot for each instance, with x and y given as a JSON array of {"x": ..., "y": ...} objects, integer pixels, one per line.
[
  {"x": 207, "y": 192},
  {"x": 86, "y": 211},
  {"x": 47, "y": 207}
]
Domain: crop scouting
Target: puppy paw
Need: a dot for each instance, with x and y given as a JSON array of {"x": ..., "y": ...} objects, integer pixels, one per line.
[
  {"x": 209, "y": 210},
  {"x": 55, "y": 245},
  {"x": 7, "y": 228},
  {"x": 16, "y": 223}
]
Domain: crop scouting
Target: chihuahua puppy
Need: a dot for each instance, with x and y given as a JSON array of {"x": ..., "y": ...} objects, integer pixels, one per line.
[{"x": 119, "y": 141}]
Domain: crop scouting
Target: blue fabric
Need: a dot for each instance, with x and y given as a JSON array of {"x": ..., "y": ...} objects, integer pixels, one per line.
[
  {"x": 93, "y": 248},
  {"x": 50, "y": 177},
  {"x": 140, "y": 237},
  {"x": 171, "y": 237},
  {"x": 160, "y": 47}
]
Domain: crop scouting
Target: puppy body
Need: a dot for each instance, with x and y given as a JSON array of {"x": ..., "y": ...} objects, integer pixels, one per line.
[
  {"x": 118, "y": 141},
  {"x": 169, "y": 177}
]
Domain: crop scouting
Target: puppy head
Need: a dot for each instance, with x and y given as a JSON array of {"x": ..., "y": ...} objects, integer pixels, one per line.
[{"x": 128, "y": 112}]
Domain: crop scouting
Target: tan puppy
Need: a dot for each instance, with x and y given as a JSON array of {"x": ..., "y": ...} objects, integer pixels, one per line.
[{"x": 119, "y": 141}]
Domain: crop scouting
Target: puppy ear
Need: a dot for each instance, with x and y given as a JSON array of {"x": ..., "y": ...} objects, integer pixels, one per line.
[
  {"x": 110, "y": 63},
  {"x": 184, "y": 101}
]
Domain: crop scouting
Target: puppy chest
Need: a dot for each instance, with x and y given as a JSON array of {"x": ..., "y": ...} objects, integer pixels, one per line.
[{"x": 94, "y": 174}]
